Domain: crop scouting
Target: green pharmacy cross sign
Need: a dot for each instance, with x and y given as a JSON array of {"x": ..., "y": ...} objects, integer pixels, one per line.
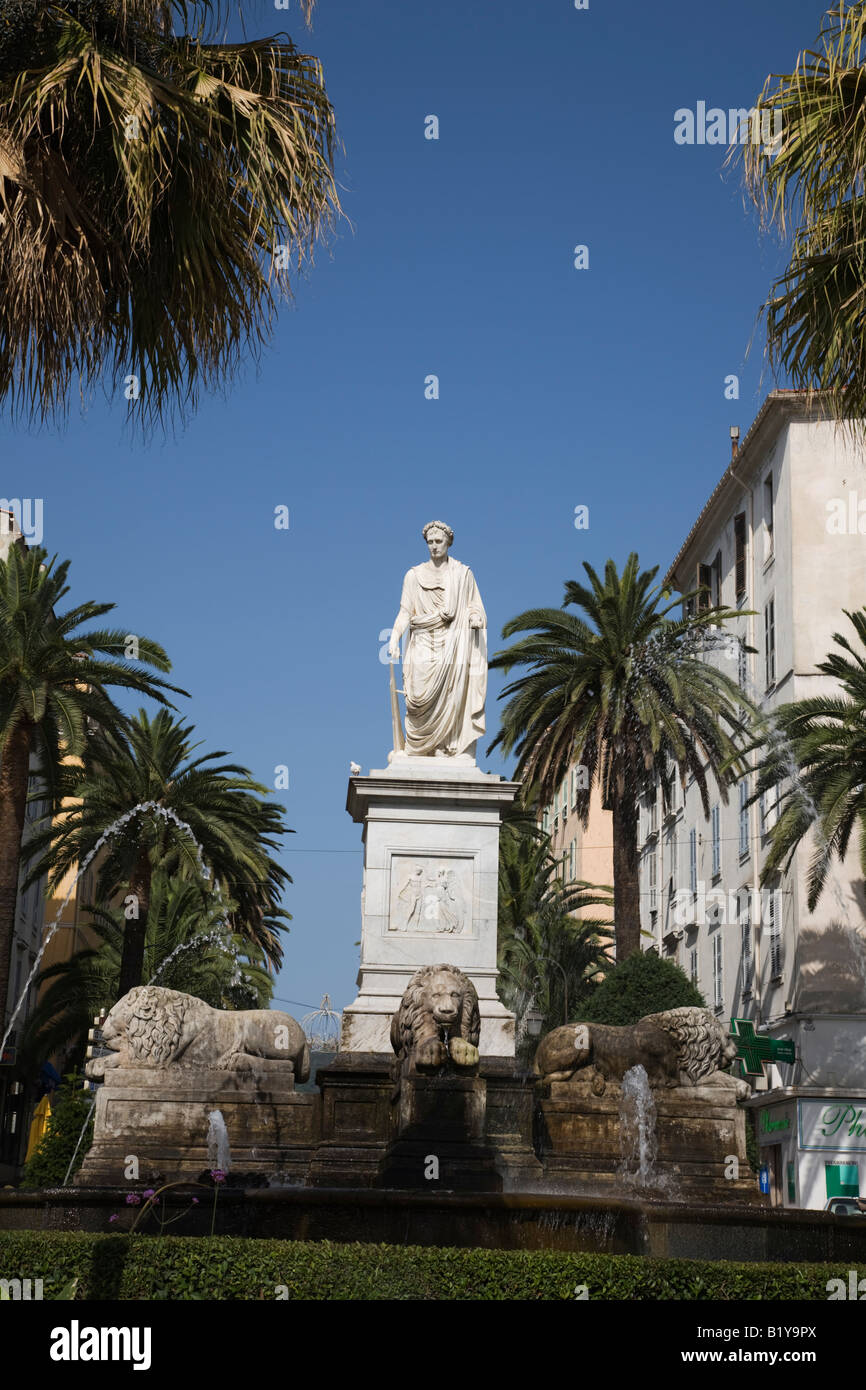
[{"x": 753, "y": 1052}]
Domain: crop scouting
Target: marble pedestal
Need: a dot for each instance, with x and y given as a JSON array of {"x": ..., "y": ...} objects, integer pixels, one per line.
[{"x": 431, "y": 874}]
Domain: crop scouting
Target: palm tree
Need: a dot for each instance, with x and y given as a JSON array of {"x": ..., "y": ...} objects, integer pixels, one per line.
[
  {"x": 54, "y": 680},
  {"x": 811, "y": 179},
  {"x": 152, "y": 765},
  {"x": 156, "y": 191},
  {"x": 546, "y": 954},
  {"x": 825, "y": 738},
  {"x": 626, "y": 694},
  {"x": 186, "y": 948}
]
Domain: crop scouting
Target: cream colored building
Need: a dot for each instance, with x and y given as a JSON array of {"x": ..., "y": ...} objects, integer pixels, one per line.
[
  {"x": 584, "y": 854},
  {"x": 782, "y": 539}
]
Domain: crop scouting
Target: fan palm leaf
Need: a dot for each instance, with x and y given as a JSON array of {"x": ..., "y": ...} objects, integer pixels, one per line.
[{"x": 156, "y": 192}]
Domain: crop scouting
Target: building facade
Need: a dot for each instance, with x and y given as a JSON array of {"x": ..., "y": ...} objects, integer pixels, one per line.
[
  {"x": 782, "y": 540},
  {"x": 585, "y": 854}
]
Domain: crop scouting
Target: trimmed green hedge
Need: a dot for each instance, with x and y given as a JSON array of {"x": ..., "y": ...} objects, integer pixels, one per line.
[{"x": 226, "y": 1267}]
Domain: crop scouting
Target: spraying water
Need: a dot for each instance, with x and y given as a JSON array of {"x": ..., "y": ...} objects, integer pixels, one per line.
[
  {"x": 208, "y": 938},
  {"x": 115, "y": 828},
  {"x": 637, "y": 1129},
  {"x": 219, "y": 1154}
]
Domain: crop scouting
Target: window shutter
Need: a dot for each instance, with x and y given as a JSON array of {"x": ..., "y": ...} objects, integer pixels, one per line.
[
  {"x": 740, "y": 552},
  {"x": 704, "y": 584}
]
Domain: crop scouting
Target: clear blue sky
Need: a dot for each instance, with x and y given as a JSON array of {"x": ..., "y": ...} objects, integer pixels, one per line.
[{"x": 559, "y": 387}]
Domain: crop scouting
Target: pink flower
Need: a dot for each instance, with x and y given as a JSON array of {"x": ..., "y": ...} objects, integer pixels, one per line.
[
  {"x": 218, "y": 1175},
  {"x": 112, "y": 1218},
  {"x": 149, "y": 1192},
  {"x": 133, "y": 1199},
  {"x": 195, "y": 1201}
]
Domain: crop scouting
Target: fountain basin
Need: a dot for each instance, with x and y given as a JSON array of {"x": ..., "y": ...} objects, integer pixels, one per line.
[{"x": 504, "y": 1221}]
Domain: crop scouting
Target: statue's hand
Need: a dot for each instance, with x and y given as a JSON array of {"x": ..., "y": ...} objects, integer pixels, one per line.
[
  {"x": 475, "y": 621},
  {"x": 394, "y": 649}
]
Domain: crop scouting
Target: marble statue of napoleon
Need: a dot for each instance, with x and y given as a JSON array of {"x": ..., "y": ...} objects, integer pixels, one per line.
[{"x": 445, "y": 663}]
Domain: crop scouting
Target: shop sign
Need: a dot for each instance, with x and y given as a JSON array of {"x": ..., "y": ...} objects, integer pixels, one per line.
[
  {"x": 771, "y": 1126},
  {"x": 833, "y": 1124}
]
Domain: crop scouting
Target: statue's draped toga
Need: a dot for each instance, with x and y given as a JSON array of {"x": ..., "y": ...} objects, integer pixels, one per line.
[{"x": 445, "y": 664}]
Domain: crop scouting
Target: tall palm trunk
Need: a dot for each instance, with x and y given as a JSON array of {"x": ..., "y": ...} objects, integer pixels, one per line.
[
  {"x": 135, "y": 928},
  {"x": 14, "y": 771},
  {"x": 626, "y": 877}
]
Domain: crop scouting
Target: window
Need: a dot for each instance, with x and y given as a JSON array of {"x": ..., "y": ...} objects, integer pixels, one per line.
[
  {"x": 651, "y": 875},
  {"x": 572, "y": 852},
  {"x": 693, "y": 860},
  {"x": 775, "y": 932},
  {"x": 673, "y": 861},
  {"x": 770, "y": 642},
  {"x": 575, "y": 779},
  {"x": 740, "y": 555},
  {"x": 545, "y": 820},
  {"x": 744, "y": 817},
  {"x": 746, "y": 957},
  {"x": 716, "y": 586},
  {"x": 564, "y": 800},
  {"x": 718, "y": 982},
  {"x": 705, "y": 587},
  {"x": 693, "y": 965},
  {"x": 653, "y": 814},
  {"x": 769, "y": 517},
  {"x": 715, "y": 820},
  {"x": 676, "y": 790}
]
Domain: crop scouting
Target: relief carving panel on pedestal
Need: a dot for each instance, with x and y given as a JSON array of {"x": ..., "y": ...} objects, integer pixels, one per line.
[{"x": 431, "y": 895}]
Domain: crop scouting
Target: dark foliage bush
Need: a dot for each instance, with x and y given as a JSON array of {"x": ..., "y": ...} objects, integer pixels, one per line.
[
  {"x": 70, "y": 1106},
  {"x": 643, "y": 984},
  {"x": 223, "y": 1267}
]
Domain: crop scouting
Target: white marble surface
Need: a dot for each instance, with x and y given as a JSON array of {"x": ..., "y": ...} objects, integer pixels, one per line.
[{"x": 447, "y": 828}]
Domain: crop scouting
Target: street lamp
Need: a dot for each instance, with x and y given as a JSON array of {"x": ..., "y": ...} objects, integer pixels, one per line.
[{"x": 533, "y": 1018}]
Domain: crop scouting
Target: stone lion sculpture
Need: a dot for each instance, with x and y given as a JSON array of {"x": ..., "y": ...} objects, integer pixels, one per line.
[
  {"x": 154, "y": 1027},
  {"x": 680, "y": 1047},
  {"x": 439, "y": 1002}
]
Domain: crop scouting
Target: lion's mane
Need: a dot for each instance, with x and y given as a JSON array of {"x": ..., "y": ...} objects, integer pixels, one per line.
[
  {"x": 154, "y": 1022},
  {"x": 415, "y": 1007},
  {"x": 701, "y": 1040}
]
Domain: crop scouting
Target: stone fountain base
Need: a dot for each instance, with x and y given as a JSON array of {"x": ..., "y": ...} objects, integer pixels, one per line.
[
  {"x": 365, "y": 1127},
  {"x": 700, "y": 1134},
  {"x": 160, "y": 1119}
]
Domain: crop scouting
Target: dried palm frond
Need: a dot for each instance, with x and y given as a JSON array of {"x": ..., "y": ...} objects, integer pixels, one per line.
[{"x": 156, "y": 192}]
